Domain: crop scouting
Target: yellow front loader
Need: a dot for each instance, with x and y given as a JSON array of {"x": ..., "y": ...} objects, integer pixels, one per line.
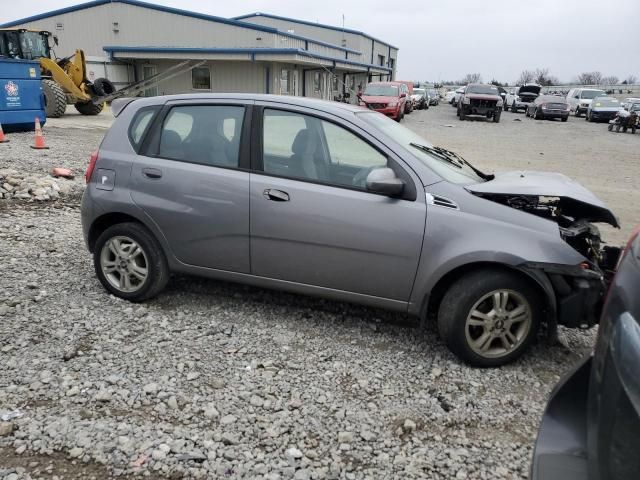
[{"x": 64, "y": 81}]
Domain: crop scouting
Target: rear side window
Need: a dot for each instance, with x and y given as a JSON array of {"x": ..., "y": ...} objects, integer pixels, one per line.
[
  {"x": 140, "y": 124},
  {"x": 203, "y": 134}
]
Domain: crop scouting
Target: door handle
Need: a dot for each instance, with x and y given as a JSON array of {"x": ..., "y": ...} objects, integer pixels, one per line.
[
  {"x": 275, "y": 195},
  {"x": 152, "y": 172}
]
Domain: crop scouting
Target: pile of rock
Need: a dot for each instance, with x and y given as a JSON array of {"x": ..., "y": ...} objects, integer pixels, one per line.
[{"x": 15, "y": 185}]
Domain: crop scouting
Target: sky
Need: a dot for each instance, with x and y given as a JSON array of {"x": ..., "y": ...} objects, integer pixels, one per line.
[{"x": 444, "y": 40}]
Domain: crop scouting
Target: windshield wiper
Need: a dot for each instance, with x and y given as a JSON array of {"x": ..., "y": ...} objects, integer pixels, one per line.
[
  {"x": 440, "y": 154},
  {"x": 452, "y": 158}
]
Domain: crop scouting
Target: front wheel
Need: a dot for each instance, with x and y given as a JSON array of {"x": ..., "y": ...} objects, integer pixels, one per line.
[
  {"x": 577, "y": 112},
  {"x": 490, "y": 317},
  {"x": 514, "y": 109},
  {"x": 462, "y": 114},
  {"x": 610, "y": 127},
  {"x": 129, "y": 262},
  {"x": 496, "y": 117}
]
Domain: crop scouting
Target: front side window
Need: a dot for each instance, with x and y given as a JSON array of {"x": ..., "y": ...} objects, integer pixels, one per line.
[
  {"x": 201, "y": 78},
  {"x": 204, "y": 134},
  {"x": 306, "y": 147}
]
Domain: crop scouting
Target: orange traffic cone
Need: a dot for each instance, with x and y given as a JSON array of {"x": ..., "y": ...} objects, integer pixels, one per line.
[
  {"x": 3, "y": 139},
  {"x": 39, "y": 145}
]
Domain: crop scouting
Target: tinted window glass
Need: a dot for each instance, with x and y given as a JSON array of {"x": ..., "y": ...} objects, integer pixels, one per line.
[
  {"x": 139, "y": 125},
  {"x": 205, "y": 134},
  {"x": 306, "y": 147}
]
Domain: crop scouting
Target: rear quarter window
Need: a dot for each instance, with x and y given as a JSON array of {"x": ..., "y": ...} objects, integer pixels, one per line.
[{"x": 140, "y": 125}]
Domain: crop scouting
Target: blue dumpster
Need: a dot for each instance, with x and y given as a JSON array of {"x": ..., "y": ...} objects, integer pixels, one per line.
[{"x": 21, "y": 97}]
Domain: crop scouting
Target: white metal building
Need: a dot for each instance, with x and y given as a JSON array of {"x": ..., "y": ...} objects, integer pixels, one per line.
[{"x": 128, "y": 40}]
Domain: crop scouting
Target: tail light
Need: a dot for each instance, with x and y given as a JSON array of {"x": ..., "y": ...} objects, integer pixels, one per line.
[{"x": 92, "y": 165}]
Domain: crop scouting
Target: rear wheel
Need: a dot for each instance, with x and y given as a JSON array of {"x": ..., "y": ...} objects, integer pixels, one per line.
[
  {"x": 490, "y": 317},
  {"x": 129, "y": 262},
  {"x": 514, "y": 109},
  {"x": 55, "y": 100},
  {"x": 538, "y": 114},
  {"x": 564, "y": 119},
  {"x": 88, "y": 108}
]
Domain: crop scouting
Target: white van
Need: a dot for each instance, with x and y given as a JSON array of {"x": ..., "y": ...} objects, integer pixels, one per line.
[{"x": 579, "y": 99}]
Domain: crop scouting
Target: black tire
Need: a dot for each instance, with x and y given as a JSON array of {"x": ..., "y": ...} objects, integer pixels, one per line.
[
  {"x": 156, "y": 262},
  {"x": 577, "y": 112},
  {"x": 564, "y": 119},
  {"x": 462, "y": 115},
  {"x": 610, "y": 127},
  {"x": 496, "y": 117},
  {"x": 463, "y": 295},
  {"x": 588, "y": 118},
  {"x": 103, "y": 86},
  {"x": 537, "y": 114},
  {"x": 624, "y": 129},
  {"x": 88, "y": 108},
  {"x": 514, "y": 109},
  {"x": 55, "y": 100},
  {"x": 618, "y": 128}
]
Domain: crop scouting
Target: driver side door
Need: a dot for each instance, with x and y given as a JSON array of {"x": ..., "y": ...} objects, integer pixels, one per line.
[{"x": 312, "y": 220}]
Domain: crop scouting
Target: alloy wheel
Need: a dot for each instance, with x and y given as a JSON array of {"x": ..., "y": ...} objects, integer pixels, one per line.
[
  {"x": 124, "y": 264},
  {"x": 498, "y": 323}
]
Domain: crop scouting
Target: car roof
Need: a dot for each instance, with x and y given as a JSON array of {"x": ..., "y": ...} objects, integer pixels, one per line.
[{"x": 316, "y": 103}]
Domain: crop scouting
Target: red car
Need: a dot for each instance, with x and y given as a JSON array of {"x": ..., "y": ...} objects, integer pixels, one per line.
[{"x": 385, "y": 97}]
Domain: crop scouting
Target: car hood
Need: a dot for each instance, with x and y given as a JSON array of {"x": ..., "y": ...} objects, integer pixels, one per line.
[
  {"x": 530, "y": 89},
  {"x": 575, "y": 200},
  {"x": 379, "y": 99}
]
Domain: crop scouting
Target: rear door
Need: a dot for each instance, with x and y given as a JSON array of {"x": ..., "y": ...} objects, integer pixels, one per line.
[
  {"x": 192, "y": 180},
  {"x": 312, "y": 220}
]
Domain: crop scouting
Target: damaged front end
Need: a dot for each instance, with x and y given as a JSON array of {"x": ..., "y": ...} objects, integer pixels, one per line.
[{"x": 578, "y": 289}]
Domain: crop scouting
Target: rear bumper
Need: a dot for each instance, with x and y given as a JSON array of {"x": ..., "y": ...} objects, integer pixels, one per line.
[
  {"x": 602, "y": 115},
  {"x": 561, "y": 447},
  {"x": 555, "y": 113}
]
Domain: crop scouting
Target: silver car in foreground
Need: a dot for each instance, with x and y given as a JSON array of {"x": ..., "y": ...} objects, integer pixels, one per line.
[{"x": 338, "y": 201}]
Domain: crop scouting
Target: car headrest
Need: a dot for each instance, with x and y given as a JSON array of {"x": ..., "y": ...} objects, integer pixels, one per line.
[{"x": 302, "y": 143}]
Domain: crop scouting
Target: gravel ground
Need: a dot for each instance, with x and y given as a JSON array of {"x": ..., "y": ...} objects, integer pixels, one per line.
[{"x": 216, "y": 380}]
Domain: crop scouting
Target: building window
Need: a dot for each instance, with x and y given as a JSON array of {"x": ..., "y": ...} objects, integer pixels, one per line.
[
  {"x": 334, "y": 82},
  {"x": 381, "y": 60},
  {"x": 316, "y": 82},
  {"x": 391, "y": 63},
  {"x": 201, "y": 78},
  {"x": 286, "y": 82}
]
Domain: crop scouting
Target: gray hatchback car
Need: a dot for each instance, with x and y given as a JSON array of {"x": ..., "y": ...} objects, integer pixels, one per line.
[{"x": 334, "y": 200}]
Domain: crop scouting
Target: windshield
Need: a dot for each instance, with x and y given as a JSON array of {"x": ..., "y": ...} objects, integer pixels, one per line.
[
  {"x": 591, "y": 94},
  {"x": 483, "y": 89},
  {"x": 419, "y": 91},
  {"x": 34, "y": 45},
  {"x": 606, "y": 102},
  {"x": 382, "y": 90},
  {"x": 454, "y": 172}
]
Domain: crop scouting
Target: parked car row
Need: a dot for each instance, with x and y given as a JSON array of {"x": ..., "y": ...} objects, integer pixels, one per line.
[{"x": 396, "y": 99}]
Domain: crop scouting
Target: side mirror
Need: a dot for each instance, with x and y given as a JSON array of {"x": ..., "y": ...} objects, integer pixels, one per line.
[
  {"x": 384, "y": 181},
  {"x": 403, "y": 95},
  {"x": 577, "y": 96}
]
